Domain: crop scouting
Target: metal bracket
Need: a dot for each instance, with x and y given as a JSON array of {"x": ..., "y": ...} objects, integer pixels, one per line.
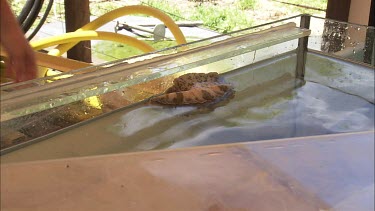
[{"x": 158, "y": 32}]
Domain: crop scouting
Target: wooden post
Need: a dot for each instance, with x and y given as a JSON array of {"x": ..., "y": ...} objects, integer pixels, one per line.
[
  {"x": 371, "y": 21},
  {"x": 77, "y": 14},
  {"x": 338, "y": 10}
]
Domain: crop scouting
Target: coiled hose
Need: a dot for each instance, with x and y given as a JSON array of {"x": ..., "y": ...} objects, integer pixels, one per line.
[
  {"x": 29, "y": 14},
  {"x": 42, "y": 20},
  {"x": 37, "y": 6},
  {"x": 25, "y": 11}
]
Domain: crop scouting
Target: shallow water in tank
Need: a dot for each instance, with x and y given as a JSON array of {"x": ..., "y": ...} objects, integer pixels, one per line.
[{"x": 279, "y": 108}]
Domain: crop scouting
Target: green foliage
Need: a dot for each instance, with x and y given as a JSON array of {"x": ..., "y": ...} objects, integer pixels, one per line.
[
  {"x": 247, "y": 4},
  {"x": 102, "y": 8},
  {"x": 221, "y": 19},
  {"x": 320, "y": 4},
  {"x": 17, "y": 6},
  {"x": 171, "y": 9},
  {"x": 217, "y": 18}
]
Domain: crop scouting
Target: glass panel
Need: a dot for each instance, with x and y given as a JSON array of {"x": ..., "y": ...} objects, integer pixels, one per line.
[
  {"x": 345, "y": 40},
  {"x": 341, "y": 75},
  {"x": 36, "y": 108},
  {"x": 269, "y": 103},
  {"x": 81, "y": 86}
]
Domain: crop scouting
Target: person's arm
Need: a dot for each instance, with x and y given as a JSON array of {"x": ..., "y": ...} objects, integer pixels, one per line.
[{"x": 20, "y": 64}]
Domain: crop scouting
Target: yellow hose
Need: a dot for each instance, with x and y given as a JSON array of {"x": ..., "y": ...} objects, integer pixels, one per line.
[
  {"x": 90, "y": 35},
  {"x": 69, "y": 40},
  {"x": 87, "y": 35},
  {"x": 172, "y": 26}
]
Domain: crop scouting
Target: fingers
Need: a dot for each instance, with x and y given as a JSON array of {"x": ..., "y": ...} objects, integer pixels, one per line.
[
  {"x": 9, "y": 69},
  {"x": 21, "y": 68},
  {"x": 27, "y": 70}
]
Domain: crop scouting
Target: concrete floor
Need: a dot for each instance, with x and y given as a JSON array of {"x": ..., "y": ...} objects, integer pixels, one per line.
[{"x": 333, "y": 172}]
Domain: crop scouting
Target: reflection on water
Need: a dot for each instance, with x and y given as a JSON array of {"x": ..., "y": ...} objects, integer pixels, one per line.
[
  {"x": 280, "y": 108},
  {"x": 310, "y": 110}
]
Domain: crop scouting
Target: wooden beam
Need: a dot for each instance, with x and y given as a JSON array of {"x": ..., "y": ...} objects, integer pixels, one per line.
[
  {"x": 371, "y": 21},
  {"x": 77, "y": 14},
  {"x": 55, "y": 62},
  {"x": 338, "y": 10},
  {"x": 59, "y": 63},
  {"x": 360, "y": 12}
]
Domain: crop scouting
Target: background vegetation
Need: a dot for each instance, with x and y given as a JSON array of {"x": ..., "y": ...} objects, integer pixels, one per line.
[{"x": 219, "y": 15}]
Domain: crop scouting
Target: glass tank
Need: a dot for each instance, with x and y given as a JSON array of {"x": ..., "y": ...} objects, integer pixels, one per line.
[{"x": 300, "y": 76}]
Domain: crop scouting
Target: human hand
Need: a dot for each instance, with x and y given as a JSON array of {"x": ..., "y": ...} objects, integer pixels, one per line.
[{"x": 20, "y": 63}]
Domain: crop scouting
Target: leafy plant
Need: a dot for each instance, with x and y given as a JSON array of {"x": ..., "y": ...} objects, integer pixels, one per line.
[
  {"x": 164, "y": 5},
  {"x": 319, "y": 4},
  {"x": 221, "y": 19},
  {"x": 247, "y": 4}
]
